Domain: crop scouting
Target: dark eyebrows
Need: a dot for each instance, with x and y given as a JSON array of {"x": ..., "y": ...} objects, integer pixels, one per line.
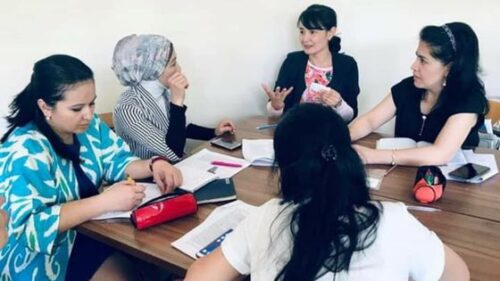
[
  {"x": 81, "y": 104},
  {"x": 420, "y": 56}
]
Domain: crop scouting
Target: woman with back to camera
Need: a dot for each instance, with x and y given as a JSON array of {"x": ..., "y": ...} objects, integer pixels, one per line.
[
  {"x": 443, "y": 103},
  {"x": 325, "y": 226},
  {"x": 151, "y": 115},
  {"x": 54, "y": 157},
  {"x": 319, "y": 73}
]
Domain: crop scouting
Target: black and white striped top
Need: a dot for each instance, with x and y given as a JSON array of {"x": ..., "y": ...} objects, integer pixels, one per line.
[{"x": 148, "y": 131}]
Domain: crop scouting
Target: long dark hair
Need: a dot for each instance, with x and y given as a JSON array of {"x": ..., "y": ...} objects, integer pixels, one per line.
[
  {"x": 323, "y": 18},
  {"x": 324, "y": 176},
  {"x": 51, "y": 77},
  {"x": 456, "y": 44}
]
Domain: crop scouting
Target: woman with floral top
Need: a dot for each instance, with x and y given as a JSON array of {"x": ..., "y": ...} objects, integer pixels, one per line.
[{"x": 318, "y": 74}]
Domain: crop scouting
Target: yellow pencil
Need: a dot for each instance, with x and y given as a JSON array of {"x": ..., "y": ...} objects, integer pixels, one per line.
[{"x": 130, "y": 180}]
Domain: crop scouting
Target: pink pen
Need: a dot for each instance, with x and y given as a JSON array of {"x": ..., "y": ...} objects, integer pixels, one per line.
[{"x": 226, "y": 164}]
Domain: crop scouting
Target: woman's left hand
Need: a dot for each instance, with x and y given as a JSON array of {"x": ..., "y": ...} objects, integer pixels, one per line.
[
  {"x": 166, "y": 176},
  {"x": 331, "y": 97},
  {"x": 225, "y": 126}
]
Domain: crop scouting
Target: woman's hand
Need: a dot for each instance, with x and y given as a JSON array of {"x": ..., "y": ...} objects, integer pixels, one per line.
[
  {"x": 3, "y": 225},
  {"x": 178, "y": 83},
  {"x": 277, "y": 96},
  {"x": 166, "y": 176},
  {"x": 331, "y": 97},
  {"x": 225, "y": 126},
  {"x": 123, "y": 196}
]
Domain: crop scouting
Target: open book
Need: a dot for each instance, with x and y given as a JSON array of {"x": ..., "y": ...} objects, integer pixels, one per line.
[
  {"x": 405, "y": 143},
  {"x": 400, "y": 143},
  {"x": 198, "y": 169},
  {"x": 258, "y": 152},
  {"x": 218, "y": 222}
]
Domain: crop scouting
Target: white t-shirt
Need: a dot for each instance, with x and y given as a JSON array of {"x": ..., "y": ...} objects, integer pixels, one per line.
[{"x": 403, "y": 249}]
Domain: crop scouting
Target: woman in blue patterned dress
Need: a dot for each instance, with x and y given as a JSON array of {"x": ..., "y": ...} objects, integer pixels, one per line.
[
  {"x": 53, "y": 158},
  {"x": 3, "y": 223}
]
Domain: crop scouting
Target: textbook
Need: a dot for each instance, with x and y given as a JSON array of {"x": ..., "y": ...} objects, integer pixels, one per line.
[
  {"x": 405, "y": 143},
  {"x": 222, "y": 219},
  {"x": 258, "y": 152},
  {"x": 216, "y": 191}
]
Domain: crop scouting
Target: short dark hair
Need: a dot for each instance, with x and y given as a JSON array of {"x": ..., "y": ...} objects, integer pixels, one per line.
[
  {"x": 323, "y": 18},
  {"x": 51, "y": 77},
  {"x": 324, "y": 176}
]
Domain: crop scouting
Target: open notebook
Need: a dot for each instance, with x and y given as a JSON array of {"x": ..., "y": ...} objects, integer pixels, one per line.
[
  {"x": 405, "y": 143},
  {"x": 258, "y": 152}
]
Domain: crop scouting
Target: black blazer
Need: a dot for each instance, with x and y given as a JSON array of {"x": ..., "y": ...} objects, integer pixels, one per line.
[{"x": 344, "y": 81}]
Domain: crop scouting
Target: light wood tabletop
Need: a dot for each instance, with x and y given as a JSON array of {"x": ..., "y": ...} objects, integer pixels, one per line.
[{"x": 469, "y": 221}]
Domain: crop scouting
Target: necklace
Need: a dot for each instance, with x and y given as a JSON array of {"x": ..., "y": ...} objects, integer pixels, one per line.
[{"x": 424, "y": 117}]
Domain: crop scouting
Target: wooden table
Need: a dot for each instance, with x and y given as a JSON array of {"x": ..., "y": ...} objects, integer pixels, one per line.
[{"x": 469, "y": 222}]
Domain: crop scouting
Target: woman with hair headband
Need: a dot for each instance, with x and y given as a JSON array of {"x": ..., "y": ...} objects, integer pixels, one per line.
[
  {"x": 319, "y": 73},
  {"x": 443, "y": 103},
  {"x": 325, "y": 226},
  {"x": 55, "y": 156},
  {"x": 150, "y": 115}
]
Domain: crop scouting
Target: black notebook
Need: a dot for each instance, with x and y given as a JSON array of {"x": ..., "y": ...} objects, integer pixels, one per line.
[{"x": 216, "y": 191}]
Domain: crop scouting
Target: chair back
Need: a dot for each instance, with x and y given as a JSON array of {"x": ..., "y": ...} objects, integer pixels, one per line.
[{"x": 107, "y": 117}]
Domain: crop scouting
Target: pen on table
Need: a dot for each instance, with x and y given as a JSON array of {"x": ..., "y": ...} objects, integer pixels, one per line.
[
  {"x": 266, "y": 126},
  {"x": 390, "y": 170},
  {"x": 423, "y": 209},
  {"x": 226, "y": 164}
]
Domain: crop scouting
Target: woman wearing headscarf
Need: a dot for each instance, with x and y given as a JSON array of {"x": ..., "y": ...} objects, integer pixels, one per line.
[{"x": 150, "y": 115}]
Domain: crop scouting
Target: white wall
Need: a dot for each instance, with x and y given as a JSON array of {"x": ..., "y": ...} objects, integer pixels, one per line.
[{"x": 227, "y": 48}]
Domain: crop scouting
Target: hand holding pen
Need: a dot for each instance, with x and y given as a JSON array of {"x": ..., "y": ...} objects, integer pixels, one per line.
[{"x": 123, "y": 196}]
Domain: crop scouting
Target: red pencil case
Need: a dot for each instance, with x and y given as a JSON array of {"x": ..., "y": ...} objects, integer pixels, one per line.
[
  {"x": 164, "y": 208},
  {"x": 429, "y": 184}
]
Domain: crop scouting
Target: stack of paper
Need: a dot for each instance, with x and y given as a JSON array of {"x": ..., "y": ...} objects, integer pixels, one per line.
[
  {"x": 218, "y": 222},
  {"x": 259, "y": 152}
]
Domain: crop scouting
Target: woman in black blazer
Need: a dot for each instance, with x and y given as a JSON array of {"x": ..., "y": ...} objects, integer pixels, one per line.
[{"x": 319, "y": 73}]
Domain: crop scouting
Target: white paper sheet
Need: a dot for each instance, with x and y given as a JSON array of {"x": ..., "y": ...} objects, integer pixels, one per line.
[{"x": 218, "y": 222}]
